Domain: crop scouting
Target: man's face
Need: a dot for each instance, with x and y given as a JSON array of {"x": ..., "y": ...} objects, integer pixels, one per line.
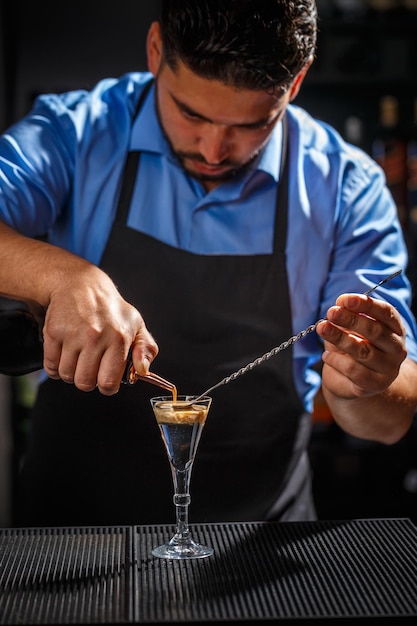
[{"x": 215, "y": 130}]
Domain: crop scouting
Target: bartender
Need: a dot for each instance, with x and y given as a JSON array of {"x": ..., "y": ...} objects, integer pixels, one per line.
[{"x": 196, "y": 217}]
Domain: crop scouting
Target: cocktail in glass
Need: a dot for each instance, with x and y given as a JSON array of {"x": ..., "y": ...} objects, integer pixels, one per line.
[{"x": 181, "y": 423}]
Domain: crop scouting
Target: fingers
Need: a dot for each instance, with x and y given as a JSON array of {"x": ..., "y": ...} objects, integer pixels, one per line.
[
  {"x": 364, "y": 343},
  {"x": 51, "y": 356},
  {"x": 358, "y": 323},
  {"x": 99, "y": 359},
  {"x": 87, "y": 367},
  {"x": 144, "y": 350},
  {"x": 89, "y": 329},
  {"x": 375, "y": 309}
]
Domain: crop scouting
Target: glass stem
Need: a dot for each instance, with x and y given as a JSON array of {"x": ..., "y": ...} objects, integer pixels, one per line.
[{"x": 182, "y": 500}]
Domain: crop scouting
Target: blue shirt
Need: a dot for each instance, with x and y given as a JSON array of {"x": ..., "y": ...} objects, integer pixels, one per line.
[{"x": 60, "y": 174}]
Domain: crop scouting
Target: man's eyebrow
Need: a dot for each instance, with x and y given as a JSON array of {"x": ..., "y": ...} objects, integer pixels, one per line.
[{"x": 259, "y": 123}]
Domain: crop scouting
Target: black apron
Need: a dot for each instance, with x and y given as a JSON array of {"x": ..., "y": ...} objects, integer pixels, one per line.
[{"x": 97, "y": 460}]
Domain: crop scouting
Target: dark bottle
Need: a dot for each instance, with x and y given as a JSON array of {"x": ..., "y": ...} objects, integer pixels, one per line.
[
  {"x": 21, "y": 344},
  {"x": 385, "y": 9},
  {"x": 412, "y": 169},
  {"x": 411, "y": 233},
  {"x": 389, "y": 149},
  {"x": 353, "y": 131}
]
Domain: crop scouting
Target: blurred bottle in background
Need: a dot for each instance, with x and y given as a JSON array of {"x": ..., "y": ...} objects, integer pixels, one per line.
[
  {"x": 411, "y": 233},
  {"x": 410, "y": 6},
  {"x": 412, "y": 169},
  {"x": 389, "y": 149},
  {"x": 385, "y": 8},
  {"x": 21, "y": 341},
  {"x": 353, "y": 131},
  {"x": 350, "y": 9}
]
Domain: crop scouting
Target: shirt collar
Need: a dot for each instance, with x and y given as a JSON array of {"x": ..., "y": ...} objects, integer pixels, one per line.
[
  {"x": 147, "y": 136},
  {"x": 269, "y": 160}
]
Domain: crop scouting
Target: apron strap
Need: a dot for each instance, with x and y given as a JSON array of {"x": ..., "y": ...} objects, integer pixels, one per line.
[
  {"x": 128, "y": 185},
  {"x": 130, "y": 167},
  {"x": 281, "y": 213}
]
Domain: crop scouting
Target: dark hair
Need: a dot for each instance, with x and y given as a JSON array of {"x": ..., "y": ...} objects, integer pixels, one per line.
[{"x": 251, "y": 44}]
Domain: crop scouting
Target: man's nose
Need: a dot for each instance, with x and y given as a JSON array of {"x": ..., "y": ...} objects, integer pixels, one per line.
[{"x": 215, "y": 144}]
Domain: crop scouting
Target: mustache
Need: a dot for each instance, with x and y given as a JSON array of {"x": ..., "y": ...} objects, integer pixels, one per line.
[{"x": 200, "y": 159}]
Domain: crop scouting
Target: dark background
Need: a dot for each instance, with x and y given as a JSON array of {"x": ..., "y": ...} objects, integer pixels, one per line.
[
  {"x": 50, "y": 46},
  {"x": 53, "y": 46},
  {"x": 363, "y": 55}
]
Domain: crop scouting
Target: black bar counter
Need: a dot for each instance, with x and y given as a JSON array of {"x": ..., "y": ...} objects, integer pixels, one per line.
[{"x": 332, "y": 570}]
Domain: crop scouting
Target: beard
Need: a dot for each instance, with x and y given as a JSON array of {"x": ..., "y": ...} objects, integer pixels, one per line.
[{"x": 233, "y": 168}]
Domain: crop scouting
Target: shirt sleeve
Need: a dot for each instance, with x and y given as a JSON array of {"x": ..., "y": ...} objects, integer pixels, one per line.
[
  {"x": 60, "y": 166},
  {"x": 36, "y": 167},
  {"x": 369, "y": 244},
  {"x": 344, "y": 235}
]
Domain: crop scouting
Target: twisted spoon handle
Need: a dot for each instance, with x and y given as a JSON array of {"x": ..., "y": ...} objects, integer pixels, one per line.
[{"x": 284, "y": 345}]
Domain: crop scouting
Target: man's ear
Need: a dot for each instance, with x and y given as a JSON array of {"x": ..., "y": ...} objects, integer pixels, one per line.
[
  {"x": 295, "y": 87},
  {"x": 154, "y": 51}
]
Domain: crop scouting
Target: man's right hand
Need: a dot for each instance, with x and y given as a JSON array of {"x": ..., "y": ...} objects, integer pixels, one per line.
[
  {"x": 88, "y": 331},
  {"x": 89, "y": 328}
]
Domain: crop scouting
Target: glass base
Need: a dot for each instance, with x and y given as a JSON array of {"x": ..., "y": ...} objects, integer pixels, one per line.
[{"x": 182, "y": 550}]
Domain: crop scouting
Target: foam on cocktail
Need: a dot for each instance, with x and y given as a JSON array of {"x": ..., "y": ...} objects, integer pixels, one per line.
[{"x": 175, "y": 413}]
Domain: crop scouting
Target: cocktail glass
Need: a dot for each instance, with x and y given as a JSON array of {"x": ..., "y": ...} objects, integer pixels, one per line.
[{"x": 181, "y": 423}]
